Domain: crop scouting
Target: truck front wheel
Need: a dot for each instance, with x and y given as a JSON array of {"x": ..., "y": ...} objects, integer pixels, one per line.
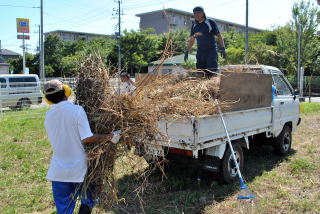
[
  {"x": 282, "y": 144},
  {"x": 228, "y": 168}
]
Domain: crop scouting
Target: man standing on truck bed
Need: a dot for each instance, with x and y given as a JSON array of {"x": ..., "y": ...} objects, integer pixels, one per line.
[{"x": 204, "y": 30}]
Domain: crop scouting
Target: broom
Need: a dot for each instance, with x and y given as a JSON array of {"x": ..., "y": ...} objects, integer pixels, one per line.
[{"x": 244, "y": 191}]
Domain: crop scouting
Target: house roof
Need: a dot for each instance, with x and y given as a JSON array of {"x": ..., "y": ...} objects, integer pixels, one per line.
[
  {"x": 6, "y": 52},
  {"x": 74, "y": 32},
  {"x": 175, "y": 60},
  {"x": 191, "y": 14}
]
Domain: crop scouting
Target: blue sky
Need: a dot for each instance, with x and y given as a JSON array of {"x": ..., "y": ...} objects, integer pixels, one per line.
[{"x": 96, "y": 16}]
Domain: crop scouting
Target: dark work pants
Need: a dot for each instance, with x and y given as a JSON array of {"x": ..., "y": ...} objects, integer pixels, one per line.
[
  {"x": 207, "y": 60},
  {"x": 65, "y": 195}
]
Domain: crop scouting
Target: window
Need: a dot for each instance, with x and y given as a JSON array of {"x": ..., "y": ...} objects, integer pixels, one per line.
[
  {"x": 22, "y": 82},
  {"x": 281, "y": 85},
  {"x": 3, "y": 83}
]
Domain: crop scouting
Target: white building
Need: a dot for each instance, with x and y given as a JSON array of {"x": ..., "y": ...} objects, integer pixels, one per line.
[{"x": 73, "y": 35}]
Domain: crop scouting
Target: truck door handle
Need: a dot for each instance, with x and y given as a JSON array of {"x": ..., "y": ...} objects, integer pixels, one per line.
[{"x": 281, "y": 103}]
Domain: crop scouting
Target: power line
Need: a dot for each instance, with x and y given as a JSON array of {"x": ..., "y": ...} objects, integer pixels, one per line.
[
  {"x": 83, "y": 20},
  {"x": 8, "y": 5},
  {"x": 135, "y": 6},
  {"x": 83, "y": 7}
]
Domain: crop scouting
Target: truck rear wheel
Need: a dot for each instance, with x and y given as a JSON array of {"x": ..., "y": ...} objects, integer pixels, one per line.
[
  {"x": 23, "y": 103},
  {"x": 228, "y": 169},
  {"x": 283, "y": 142}
]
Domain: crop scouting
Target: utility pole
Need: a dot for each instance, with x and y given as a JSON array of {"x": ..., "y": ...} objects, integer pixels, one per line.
[
  {"x": 0, "y": 49},
  {"x": 299, "y": 56},
  {"x": 119, "y": 13},
  {"x": 38, "y": 43},
  {"x": 41, "y": 61},
  {"x": 38, "y": 49},
  {"x": 247, "y": 31},
  {"x": 23, "y": 55}
]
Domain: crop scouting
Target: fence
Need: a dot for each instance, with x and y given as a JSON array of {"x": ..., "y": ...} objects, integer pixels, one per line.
[
  {"x": 17, "y": 95},
  {"x": 311, "y": 84},
  {"x": 20, "y": 92}
]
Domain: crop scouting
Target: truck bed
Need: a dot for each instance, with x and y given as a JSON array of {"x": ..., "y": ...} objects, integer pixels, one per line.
[{"x": 196, "y": 133}]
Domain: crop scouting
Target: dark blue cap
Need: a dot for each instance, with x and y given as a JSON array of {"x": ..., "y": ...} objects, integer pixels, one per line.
[{"x": 198, "y": 8}]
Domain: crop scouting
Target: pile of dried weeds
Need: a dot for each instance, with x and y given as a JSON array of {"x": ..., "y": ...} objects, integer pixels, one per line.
[{"x": 135, "y": 114}]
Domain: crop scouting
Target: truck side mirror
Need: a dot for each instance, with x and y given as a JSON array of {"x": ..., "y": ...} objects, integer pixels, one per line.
[{"x": 295, "y": 93}]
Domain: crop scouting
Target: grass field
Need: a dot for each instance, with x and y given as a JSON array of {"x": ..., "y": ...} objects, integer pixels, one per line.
[{"x": 282, "y": 185}]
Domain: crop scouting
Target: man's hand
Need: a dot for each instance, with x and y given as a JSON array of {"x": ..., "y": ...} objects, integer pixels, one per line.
[
  {"x": 223, "y": 52},
  {"x": 116, "y": 136},
  {"x": 186, "y": 55},
  {"x": 97, "y": 138},
  {"x": 197, "y": 34}
]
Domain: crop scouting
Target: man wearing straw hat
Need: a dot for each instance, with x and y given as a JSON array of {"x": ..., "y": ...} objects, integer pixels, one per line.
[
  {"x": 68, "y": 128},
  {"x": 204, "y": 31}
]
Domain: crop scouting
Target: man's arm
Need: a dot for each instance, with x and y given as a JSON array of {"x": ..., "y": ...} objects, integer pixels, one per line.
[
  {"x": 133, "y": 83},
  {"x": 97, "y": 138},
  {"x": 190, "y": 43},
  {"x": 220, "y": 41},
  {"x": 222, "y": 46}
]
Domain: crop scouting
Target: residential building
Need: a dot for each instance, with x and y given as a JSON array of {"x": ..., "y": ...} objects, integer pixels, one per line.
[
  {"x": 172, "y": 65},
  {"x": 4, "y": 68},
  {"x": 172, "y": 19},
  {"x": 73, "y": 35},
  {"x": 7, "y": 54}
]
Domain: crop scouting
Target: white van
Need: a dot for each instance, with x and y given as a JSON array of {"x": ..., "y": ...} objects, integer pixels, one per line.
[{"x": 19, "y": 91}]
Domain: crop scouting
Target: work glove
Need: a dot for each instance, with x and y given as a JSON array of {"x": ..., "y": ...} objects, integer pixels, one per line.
[
  {"x": 223, "y": 52},
  {"x": 186, "y": 55},
  {"x": 116, "y": 136}
]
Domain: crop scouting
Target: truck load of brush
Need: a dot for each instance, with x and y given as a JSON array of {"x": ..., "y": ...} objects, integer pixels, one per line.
[{"x": 156, "y": 97}]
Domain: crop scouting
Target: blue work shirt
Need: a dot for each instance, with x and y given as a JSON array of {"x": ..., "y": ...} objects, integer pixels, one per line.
[{"x": 207, "y": 40}]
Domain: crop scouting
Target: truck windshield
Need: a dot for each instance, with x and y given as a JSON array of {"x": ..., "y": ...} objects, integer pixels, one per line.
[{"x": 281, "y": 85}]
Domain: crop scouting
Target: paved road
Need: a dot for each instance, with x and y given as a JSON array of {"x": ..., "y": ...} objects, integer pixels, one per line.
[{"x": 313, "y": 99}]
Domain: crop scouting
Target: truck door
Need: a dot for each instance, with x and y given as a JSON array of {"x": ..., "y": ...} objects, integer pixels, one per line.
[{"x": 285, "y": 101}]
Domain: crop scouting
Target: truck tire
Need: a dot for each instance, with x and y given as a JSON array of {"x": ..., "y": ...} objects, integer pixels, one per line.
[
  {"x": 228, "y": 172},
  {"x": 282, "y": 144}
]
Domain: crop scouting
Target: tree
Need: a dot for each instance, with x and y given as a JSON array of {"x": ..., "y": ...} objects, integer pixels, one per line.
[
  {"x": 178, "y": 38},
  {"x": 53, "y": 49},
  {"x": 75, "y": 51},
  {"x": 32, "y": 62},
  {"x": 138, "y": 49},
  {"x": 304, "y": 13}
]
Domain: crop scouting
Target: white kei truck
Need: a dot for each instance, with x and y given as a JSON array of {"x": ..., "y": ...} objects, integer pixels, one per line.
[{"x": 203, "y": 139}]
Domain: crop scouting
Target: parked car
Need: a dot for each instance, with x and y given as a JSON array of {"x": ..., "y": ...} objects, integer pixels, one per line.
[{"x": 19, "y": 91}]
